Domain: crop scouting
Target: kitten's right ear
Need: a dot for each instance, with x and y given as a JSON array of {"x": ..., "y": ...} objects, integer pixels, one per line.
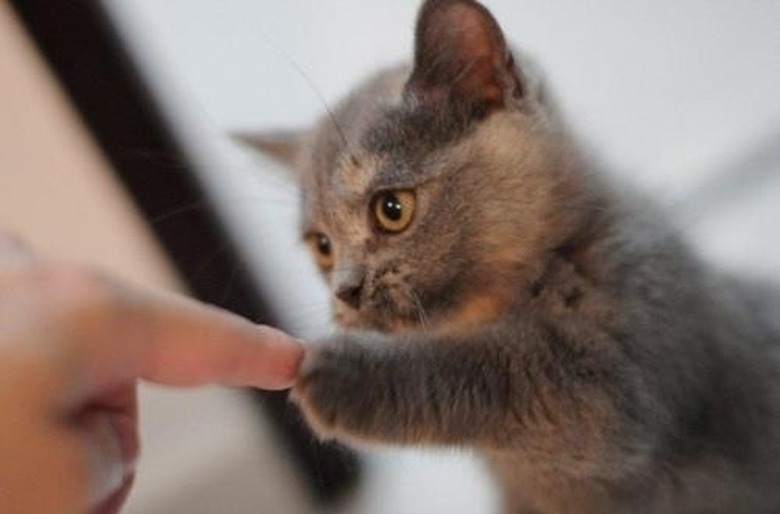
[
  {"x": 462, "y": 60},
  {"x": 282, "y": 146}
]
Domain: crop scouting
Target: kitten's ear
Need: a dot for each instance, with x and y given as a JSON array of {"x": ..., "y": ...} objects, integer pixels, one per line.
[
  {"x": 282, "y": 146},
  {"x": 461, "y": 58}
]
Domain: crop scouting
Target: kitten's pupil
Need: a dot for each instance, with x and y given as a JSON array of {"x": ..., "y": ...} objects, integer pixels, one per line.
[
  {"x": 392, "y": 207},
  {"x": 322, "y": 250},
  {"x": 323, "y": 245}
]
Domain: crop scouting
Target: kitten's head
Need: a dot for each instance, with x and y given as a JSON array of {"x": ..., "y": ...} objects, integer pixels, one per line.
[{"x": 433, "y": 194}]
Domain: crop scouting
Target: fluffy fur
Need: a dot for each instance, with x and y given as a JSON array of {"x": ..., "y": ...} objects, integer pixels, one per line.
[{"x": 532, "y": 310}]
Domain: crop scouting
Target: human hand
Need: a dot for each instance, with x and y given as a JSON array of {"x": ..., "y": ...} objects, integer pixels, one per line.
[{"x": 72, "y": 346}]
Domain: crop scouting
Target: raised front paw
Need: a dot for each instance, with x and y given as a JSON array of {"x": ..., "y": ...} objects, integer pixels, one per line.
[{"x": 336, "y": 393}]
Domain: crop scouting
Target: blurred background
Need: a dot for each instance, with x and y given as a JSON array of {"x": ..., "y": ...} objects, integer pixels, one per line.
[{"x": 679, "y": 97}]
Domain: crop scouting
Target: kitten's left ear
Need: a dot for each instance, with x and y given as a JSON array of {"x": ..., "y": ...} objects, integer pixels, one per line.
[
  {"x": 282, "y": 146},
  {"x": 461, "y": 57}
]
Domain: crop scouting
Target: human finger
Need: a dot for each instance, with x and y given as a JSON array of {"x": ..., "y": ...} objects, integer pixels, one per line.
[
  {"x": 109, "y": 428},
  {"x": 114, "y": 503},
  {"x": 193, "y": 344},
  {"x": 117, "y": 334}
]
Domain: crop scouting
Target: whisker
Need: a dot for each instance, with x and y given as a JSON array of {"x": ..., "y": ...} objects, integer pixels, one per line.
[
  {"x": 205, "y": 204},
  {"x": 315, "y": 308},
  {"x": 421, "y": 314},
  {"x": 305, "y": 76},
  {"x": 208, "y": 260},
  {"x": 316, "y": 324}
]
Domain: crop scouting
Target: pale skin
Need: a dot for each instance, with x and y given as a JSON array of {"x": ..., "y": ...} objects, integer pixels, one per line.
[{"x": 73, "y": 345}]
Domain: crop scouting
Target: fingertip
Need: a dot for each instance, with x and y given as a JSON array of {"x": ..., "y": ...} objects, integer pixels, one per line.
[
  {"x": 278, "y": 359},
  {"x": 289, "y": 370},
  {"x": 275, "y": 340},
  {"x": 286, "y": 379}
]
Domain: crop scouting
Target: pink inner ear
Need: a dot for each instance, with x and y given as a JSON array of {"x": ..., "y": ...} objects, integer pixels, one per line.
[
  {"x": 481, "y": 83},
  {"x": 480, "y": 48},
  {"x": 461, "y": 53}
]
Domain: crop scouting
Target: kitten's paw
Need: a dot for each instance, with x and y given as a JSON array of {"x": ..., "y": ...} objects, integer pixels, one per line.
[{"x": 332, "y": 391}]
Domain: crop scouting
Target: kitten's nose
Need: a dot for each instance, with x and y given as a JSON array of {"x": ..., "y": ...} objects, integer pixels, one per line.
[{"x": 350, "y": 292}]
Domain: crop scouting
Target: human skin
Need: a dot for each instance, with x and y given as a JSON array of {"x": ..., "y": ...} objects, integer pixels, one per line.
[{"x": 73, "y": 345}]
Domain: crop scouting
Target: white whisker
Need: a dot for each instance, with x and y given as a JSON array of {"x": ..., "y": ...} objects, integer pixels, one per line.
[{"x": 422, "y": 316}]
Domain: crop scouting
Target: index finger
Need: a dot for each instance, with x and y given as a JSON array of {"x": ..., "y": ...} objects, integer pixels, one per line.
[
  {"x": 175, "y": 341},
  {"x": 117, "y": 334},
  {"x": 189, "y": 343}
]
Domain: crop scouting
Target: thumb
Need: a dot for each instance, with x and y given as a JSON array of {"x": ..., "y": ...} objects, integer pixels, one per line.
[{"x": 103, "y": 448}]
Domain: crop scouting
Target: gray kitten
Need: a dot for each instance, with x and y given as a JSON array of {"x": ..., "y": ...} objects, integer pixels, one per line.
[{"x": 503, "y": 295}]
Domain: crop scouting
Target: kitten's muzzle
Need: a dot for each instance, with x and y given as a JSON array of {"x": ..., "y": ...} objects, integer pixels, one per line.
[{"x": 351, "y": 293}]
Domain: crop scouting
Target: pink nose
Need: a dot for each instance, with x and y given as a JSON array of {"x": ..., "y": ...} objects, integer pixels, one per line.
[{"x": 350, "y": 293}]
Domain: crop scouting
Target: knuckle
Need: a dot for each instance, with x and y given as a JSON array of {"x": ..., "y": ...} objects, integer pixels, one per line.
[
  {"x": 79, "y": 285},
  {"x": 84, "y": 279},
  {"x": 66, "y": 275},
  {"x": 78, "y": 297}
]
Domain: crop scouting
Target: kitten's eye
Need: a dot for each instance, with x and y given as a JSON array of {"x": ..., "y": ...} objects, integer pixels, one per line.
[
  {"x": 322, "y": 249},
  {"x": 394, "y": 210}
]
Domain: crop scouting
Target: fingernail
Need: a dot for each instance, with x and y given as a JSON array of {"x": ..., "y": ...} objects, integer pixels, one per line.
[
  {"x": 107, "y": 467},
  {"x": 277, "y": 363}
]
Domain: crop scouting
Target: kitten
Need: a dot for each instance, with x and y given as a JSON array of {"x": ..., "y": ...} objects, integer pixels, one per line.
[{"x": 503, "y": 295}]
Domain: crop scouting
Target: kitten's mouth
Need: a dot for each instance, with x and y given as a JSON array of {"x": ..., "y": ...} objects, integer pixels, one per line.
[
  {"x": 476, "y": 310},
  {"x": 381, "y": 321}
]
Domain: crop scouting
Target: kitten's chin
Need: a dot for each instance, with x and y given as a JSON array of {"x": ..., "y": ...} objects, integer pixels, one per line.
[
  {"x": 474, "y": 311},
  {"x": 349, "y": 319},
  {"x": 357, "y": 322}
]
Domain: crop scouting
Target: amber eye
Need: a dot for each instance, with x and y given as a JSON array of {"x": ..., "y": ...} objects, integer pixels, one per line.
[
  {"x": 322, "y": 249},
  {"x": 394, "y": 210}
]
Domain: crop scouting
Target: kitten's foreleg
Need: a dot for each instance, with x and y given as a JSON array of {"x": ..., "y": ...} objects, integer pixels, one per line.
[
  {"x": 413, "y": 390},
  {"x": 404, "y": 391}
]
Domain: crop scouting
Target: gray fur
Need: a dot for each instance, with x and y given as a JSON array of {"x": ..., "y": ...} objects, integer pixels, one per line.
[{"x": 534, "y": 311}]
